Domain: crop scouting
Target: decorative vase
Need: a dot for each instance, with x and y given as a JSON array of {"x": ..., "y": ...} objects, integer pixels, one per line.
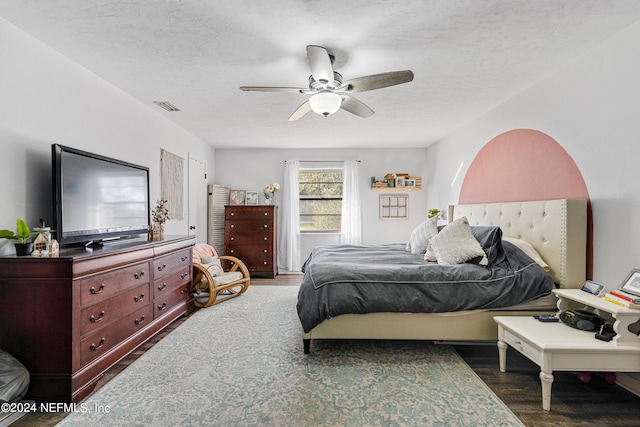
[
  {"x": 157, "y": 231},
  {"x": 23, "y": 249}
]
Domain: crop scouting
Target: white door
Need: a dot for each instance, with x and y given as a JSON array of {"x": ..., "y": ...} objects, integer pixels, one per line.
[{"x": 198, "y": 200}]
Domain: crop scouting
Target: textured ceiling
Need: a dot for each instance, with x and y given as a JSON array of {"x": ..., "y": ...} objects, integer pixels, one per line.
[{"x": 467, "y": 56}]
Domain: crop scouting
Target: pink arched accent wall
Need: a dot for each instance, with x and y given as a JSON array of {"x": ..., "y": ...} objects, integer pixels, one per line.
[{"x": 525, "y": 164}]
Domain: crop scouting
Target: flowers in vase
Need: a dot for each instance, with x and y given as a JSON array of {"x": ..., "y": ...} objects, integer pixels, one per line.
[
  {"x": 270, "y": 191},
  {"x": 160, "y": 214}
]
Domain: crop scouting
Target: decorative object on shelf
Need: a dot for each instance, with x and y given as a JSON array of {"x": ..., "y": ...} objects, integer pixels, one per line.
[
  {"x": 433, "y": 213},
  {"x": 252, "y": 198},
  {"x": 159, "y": 215},
  {"x": 237, "y": 197},
  {"x": 631, "y": 283},
  {"x": 270, "y": 193},
  {"x": 22, "y": 235}
]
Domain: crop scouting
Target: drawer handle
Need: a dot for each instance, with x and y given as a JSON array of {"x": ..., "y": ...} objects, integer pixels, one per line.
[
  {"x": 233, "y": 226},
  {"x": 183, "y": 275},
  {"x": 139, "y": 275},
  {"x": 233, "y": 213},
  {"x": 163, "y": 306},
  {"x": 265, "y": 263},
  {"x": 265, "y": 226},
  {"x": 233, "y": 238},
  {"x": 94, "y": 347},
  {"x": 138, "y": 299},
  {"x": 184, "y": 291},
  {"x": 95, "y": 319},
  {"x": 265, "y": 251},
  {"x": 162, "y": 287},
  {"x": 140, "y": 321},
  {"x": 232, "y": 251},
  {"x": 184, "y": 258},
  {"x": 162, "y": 267},
  {"x": 265, "y": 238},
  {"x": 100, "y": 289},
  {"x": 266, "y": 213}
]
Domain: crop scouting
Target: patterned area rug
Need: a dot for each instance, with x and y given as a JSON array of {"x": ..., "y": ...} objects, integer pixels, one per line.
[{"x": 241, "y": 363}]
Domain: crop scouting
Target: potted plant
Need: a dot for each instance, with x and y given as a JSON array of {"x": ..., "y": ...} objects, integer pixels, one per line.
[
  {"x": 433, "y": 212},
  {"x": 22, "y": 235}
]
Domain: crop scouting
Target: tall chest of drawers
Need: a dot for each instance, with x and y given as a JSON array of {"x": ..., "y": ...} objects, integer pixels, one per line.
[
  {"x": 250, "y": 235},
  {"x": 71, "y": 318}
]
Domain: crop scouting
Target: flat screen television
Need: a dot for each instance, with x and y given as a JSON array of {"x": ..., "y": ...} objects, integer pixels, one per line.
[{"x": 97, "y": 198}]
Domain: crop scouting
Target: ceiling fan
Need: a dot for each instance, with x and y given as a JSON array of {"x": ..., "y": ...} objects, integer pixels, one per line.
[{"x": 329, "y": 93}]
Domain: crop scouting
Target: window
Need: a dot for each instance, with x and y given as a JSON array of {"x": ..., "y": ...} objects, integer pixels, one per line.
[{"x": 320, "y": 199}]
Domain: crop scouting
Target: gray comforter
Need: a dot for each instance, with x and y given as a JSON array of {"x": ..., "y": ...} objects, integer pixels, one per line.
[{"x": 343, "y": 279}]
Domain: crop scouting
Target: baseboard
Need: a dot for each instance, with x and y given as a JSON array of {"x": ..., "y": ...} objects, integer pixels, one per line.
[{"x": 629, "y": 381}]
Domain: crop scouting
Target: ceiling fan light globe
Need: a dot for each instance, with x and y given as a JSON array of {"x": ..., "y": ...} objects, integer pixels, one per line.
[{"x": 325, "y": 103}]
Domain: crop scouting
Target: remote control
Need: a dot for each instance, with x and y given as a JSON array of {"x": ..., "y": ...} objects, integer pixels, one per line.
[{"x": 547, "y": 318}]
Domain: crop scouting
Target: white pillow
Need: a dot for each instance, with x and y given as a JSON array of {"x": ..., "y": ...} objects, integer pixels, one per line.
[
  {"x": 430, "y": 255},
  {"x": 422, "y": 235},
  {"x": 455, "y": 244},
  {"x": 526, "y": 247}
]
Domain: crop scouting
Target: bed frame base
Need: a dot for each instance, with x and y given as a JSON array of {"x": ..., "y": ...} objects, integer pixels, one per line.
[{"x": 467, "y": 326}]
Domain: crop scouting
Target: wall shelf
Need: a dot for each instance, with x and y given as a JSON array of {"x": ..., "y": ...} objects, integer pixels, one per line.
[{"x": 397, "y": 182}]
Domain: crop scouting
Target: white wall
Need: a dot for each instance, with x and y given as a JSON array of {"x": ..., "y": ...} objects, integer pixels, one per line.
[
  {"x": 254, "y": 169},
  {"x": 591, "y": 108},
  {"x": 45, "y": 98}
]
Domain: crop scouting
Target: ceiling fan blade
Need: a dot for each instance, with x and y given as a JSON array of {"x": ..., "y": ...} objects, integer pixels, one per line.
[
  {"x": 273, "y": 89},
  {"x": 320, "y": 64},
  {"x": 378, "y": 81},
  {"x": 356, "y": 107},
  {"x": 300, "y": 111}
]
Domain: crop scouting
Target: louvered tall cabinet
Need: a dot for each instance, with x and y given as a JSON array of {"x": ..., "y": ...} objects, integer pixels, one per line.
[
  {"x": 250, "y": 235},
  {"x": 218, "y": 198}
]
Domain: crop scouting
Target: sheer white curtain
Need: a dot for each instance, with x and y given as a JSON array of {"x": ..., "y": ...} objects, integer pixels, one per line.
[
  {"x": 351, "y": 211},
  {"x": 289, "y": 228}
]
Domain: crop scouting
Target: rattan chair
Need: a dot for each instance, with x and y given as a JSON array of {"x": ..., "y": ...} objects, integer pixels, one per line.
[{"x": 213, "y": 285}]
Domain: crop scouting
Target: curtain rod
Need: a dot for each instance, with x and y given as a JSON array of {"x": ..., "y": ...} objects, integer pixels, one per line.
[{"x": 324, "y": 161}]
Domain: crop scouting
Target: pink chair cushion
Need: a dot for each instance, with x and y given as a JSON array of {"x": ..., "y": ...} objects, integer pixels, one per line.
[{"x": 202, "y": 250}]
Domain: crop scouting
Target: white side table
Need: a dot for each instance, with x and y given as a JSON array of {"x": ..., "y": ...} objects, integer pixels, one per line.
[{"x": 558, "y": 347}]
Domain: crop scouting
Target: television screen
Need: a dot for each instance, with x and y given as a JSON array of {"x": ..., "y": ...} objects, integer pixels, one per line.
[{"x": 96, "y": 197}]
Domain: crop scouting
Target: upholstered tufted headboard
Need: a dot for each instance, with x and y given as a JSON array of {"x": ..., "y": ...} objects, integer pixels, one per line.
[{"x": 557, "y": 229}]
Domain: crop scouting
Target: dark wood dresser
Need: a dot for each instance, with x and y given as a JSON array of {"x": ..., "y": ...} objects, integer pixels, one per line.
[
  {"x": 69, "y": 319},
  {"x": 250, "y": 235}
]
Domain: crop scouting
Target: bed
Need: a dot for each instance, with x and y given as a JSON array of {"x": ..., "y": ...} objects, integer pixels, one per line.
[{"x": 556, "y": 229}]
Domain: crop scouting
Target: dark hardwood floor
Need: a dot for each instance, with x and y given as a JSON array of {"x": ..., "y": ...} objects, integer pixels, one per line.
[{"x": 573, "y": 403}]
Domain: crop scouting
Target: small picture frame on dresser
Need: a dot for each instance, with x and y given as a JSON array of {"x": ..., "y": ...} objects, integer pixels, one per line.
[
  {"x": 252, "y": 198},
  {"x": 631, "y": 283},
  {"x": 237, "y": 197}
]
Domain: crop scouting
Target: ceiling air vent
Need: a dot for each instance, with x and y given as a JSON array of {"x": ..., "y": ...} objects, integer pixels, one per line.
[{"x": 167, "y": 105}]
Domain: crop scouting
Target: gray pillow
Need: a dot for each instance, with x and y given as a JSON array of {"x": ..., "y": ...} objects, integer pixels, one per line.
[
  {"x": 456, "y": 244},
  {"x": 421, "y": 236}
]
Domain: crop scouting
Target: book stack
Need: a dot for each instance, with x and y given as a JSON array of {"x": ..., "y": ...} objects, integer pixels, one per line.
[{"x": 623, "y": 298}]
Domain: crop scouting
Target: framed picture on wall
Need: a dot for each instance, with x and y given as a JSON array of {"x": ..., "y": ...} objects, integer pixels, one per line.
[
  {"x": 400, "y": 181},
  {"x": 236, "y": 197},
  {"x": 410, "y": 183},
  {"x": 252, "y": 198}
]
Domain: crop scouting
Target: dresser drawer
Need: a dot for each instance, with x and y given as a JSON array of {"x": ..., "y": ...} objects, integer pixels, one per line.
[
  {"x": 523, "y": 347},
  {"x": 258, "y": 251},
  {"x": 166, "y": 302},
  {"x": 235, "y": 226},
  {"x": 170, "y": 282},
  {"x": 107, "y": 338},
  {"x": 165, "y": 265},
  {"x": 108, "y": 311},
  {"x": 102, "y": 286},
  {"x": 246, "y": 238},
  {"x": 249, "y": 213}
]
